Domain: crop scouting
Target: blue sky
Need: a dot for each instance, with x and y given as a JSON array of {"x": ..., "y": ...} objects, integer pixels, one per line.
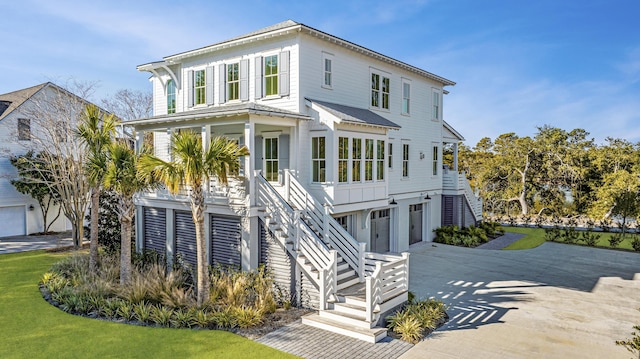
[{"x": 518, "y": 64}]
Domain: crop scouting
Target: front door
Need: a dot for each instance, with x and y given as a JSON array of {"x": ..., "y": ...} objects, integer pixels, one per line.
[
  {"x": 415, "y": 223},
  {"x": 271, "y": 159},
  {"x": 380, "y": 231}
]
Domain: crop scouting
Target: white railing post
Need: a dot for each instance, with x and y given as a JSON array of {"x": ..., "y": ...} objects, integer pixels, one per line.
[
  {"x": 297, "y": 223},
  {"x": 362, "y": 248},
  {"x": 287, "y": 185},
  {"x": 405, "y": 255},
  {"x": 323, "y": 289},
  {"x": 368, "y": 286},
  {"x": 377, "y": 287},
  {"x": 334, "y": 271},
  {"x": 325, "y": 224}
]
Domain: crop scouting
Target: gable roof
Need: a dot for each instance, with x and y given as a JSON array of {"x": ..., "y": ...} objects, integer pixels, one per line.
[
  {"x": 448, "y": 132},
  {"x": 359, "y": 116},
  {"x": 13, "y": 100},
  {"x": 286, "y": 27}
]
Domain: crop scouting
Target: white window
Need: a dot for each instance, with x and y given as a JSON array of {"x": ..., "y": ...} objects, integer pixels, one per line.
[
  {"x": 318, "y": 159},
  {"x": 405, "y": 160},
  {"x": 356, "y": 162},
  {"x": 271, "y": 75},
  {"x": 327, "y": 70},
  {"x": 368, "y": 159},
  {"x": 233, "y": 81},
  {"x": 171, "y": 97},
  {"x": 390, "y": 155},
  {"x": 379, "y": 91},
  {"x": 436, "y": 112},
  {"x": 199, "y": 86},
  {"x": 406, "y": 97},
  {"x": 435, "y": 160},
  {"x": 380, "y": 161},
  {"x": 343, "y": 159}
]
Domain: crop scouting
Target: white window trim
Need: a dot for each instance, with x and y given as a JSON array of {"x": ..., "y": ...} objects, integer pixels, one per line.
[
  {"x": 402, "y": 111},
  {"x": 362, "y": 137},
  {"x": 437, "y": 161},
  {"x": 408, "y": 176},
  {"x": 382, "y": 74},
  {"x": 193, "y": 89},
  {"x": 439, "y": 114},
  {"x": 330, "y": 57},
  {"x": 319, "y": 159}
]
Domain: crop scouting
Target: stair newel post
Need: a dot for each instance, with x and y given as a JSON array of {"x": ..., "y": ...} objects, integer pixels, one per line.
[
  {"x": 361, "y": 260},
  {"x": 405, "y": 255},
  {"x": 296, "y": 232},
  {"x": 368, "y": 298},
  {"x": 323, "y": 288}
]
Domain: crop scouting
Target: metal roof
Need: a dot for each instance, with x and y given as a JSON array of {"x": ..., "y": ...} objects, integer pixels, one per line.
[{"x": 355, "y": 115}]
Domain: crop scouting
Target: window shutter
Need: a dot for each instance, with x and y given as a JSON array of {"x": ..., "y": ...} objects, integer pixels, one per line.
[
  {"x": 190, "y": 88},
  {"x": 222, "y": 84},
  {"x": 244, "y": 80},
  {"x": 283, "y": 153},
  {"x": 283, "y": 76},
  {"x": 257, "y": 153},
  {"x": 209, "y": 88},
  {"x": 258, "y": 77}
]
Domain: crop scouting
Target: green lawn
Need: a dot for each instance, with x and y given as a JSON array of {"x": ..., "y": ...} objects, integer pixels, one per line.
[
  {"x": 32, "y": 328},
  {"x": 535, "y": 237}
]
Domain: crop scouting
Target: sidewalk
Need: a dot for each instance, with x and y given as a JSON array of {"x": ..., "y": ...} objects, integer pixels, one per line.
[{"x": 30, "y": 243}]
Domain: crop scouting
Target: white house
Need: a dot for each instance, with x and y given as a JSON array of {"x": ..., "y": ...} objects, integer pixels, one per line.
[
  {"x": 345, "y": 170},
  {"x": 19, "y": 213}
]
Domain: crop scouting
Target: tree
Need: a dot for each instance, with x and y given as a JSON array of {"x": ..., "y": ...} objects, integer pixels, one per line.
[
  {"x": 31, "y": 169},
  {"x": 192, "y": 165},
  {"x": 96, "y": 131},
  {"x": 54, "y": 115},
  {"x": 131, "y": 105},
  {"x": 619, "y": 194},
  {"x": 121, "y": 176}
]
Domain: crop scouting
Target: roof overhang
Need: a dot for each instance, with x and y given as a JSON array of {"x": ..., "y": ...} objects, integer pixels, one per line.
[{"x": 450, "y": 133}]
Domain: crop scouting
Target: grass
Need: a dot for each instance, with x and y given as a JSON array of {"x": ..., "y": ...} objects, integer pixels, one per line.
[
  {"x": 32, "y": 328},
  {"x": 535, "y": 237}
]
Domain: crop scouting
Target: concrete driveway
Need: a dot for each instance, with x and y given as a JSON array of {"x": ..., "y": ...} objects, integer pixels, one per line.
[{"x": 554, "y": 301}]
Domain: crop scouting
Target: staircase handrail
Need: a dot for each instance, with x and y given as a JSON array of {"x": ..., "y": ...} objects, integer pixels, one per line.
[
  {"x": 474, "y": 202},
  {"x": 305, "y": 240},
  {"x": 349, "y": 248}
]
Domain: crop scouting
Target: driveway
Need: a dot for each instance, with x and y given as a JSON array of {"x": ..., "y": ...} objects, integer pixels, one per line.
[{"x": 553, "y": 301}]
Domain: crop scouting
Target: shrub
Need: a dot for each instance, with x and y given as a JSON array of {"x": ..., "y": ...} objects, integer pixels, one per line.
[
  {"x": 182, "y": 318},
  {"x": 416, "y": 317},
  {"x": 125, "y": 310},
  {"x": 615, "y": 240},
  {"x": 224, "y": 319},
  {"x": 108, "y": 223},
  {"x": 590, "y": 238},
  {"x": 247, "y": 317},
  {"x": 635, "y": 243},
  {"x": 142, "y": 312},
  {"x": 161, "y": 315}
]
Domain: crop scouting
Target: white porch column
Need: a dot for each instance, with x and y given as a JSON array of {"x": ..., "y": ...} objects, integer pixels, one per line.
[
  {"x": 251, "y": 225},
  {"x": 455, "y": 156},
  {"x": 169, "y": 143},
  {"x": 139, "y": 141},
  {"x": 249, "y": 163}
]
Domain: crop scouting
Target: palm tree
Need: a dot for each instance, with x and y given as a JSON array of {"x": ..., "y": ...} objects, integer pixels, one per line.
[
  {"x": 191, "y": 166},
  {"x": 121, "y": 176},
  {"x": 96, "y": 131}
]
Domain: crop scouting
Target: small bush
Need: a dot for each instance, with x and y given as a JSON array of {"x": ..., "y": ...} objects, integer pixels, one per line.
[
  {"x": 224, "y": 319},
  {"x": 615, "y": 240},
  {"x": 161, "y": 315},
  {"x": 416, "y": 318},
  {"x": 247, "y": 317},
  {"x": 635, "y": 243},
  {"x": 182, "y": 318},
  {"x": 142, "y": 312},
  {"x": 590, "y": 238}
]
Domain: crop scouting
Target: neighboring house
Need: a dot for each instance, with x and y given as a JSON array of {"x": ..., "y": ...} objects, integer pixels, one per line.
[
  {"x": 19, "y": 213},
  {"x": 345, "y": 169}
]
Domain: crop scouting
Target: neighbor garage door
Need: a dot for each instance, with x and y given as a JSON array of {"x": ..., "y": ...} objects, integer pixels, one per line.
[{"x": 12, "y": 221}]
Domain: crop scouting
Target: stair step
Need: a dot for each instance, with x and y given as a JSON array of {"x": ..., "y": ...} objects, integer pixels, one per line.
[
  {"x": 347, "y": 274},
  {"x": 349, "y": 308},
  {"x": 347, "y": 282},
  {"x": 353, "y": 319},
  {"x": 371, "y": 335}
]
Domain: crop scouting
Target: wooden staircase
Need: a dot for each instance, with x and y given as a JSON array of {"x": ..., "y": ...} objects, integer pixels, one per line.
[{"x": 355, "y": 287}]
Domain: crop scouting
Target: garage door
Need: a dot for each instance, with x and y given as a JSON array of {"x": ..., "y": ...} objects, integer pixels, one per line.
[
  {"x": 415, "y": 223},
  {"x": 380, "y": 231},
  {"x": 12, "y": 221}
]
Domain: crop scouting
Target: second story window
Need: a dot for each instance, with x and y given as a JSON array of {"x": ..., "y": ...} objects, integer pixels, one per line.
[
  {"x": 380, "y": 161},
  {"x": 233, "y": 81},
  {"x": 368, "y": 160},
  {"x": 435, "y": 160},
  {"x": 436, "y": 106},
  {"x": 200, "y": 82},
  {"x": 327, "y": 72},
  {"x": 271, "y": 75},
  {"x": 24, "y": 129},
  {"x": 318, "y": 159},
  {"x": 356, "y": 163},
  {"x": 379, "y": 91},
  {"x": 406, "y": 98},
  {"x": 390, "y": 155},
  {"x": 171, "y": 97},
  {"x": 405, "y": 160},
  {"x": 343, "y": 159}
]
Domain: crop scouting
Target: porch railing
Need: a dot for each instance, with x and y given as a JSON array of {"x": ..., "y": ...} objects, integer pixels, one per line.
[{"x": 387, "y": 276}]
